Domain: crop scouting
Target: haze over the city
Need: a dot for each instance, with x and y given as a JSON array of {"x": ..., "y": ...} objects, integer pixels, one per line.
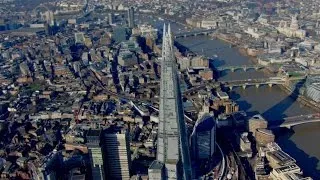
[{"x": 159, "y": 90}]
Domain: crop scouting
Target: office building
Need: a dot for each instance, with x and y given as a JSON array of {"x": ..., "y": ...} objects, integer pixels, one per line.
[
  {"x": 4, "y": 110},
  {"x": 127, "y": 58},
  {"x": 95, "y": 154},
  {"x": 203, "y": 137},
  {"x": 131, "y": 17},
  {"x": 50, "y": 166},
  {"x": 313, "y": 88},
  {"x": 281, "y": 172},
  {"x": 256, "y": 122},
  {"x": 116, "y": 154},
  {"x": 24, "y": 69},
  {"x": 79, "y": 38},
  {"x": 264, "y": 136},
  {"x": 148, "y": 31},
  {"x": 155, "y": 171},
  {"x": 120, "y": 34},
  {"x": 172, "y": 133},
  {"x": 260, "y": 169},
  {"x": 277, "y": 157},
  {"x": 243, "y": 142},
  {"x": 111, "y": 18}
]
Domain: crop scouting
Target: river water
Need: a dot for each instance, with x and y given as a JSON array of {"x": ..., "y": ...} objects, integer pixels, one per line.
[
  {"x": 302, "y": 142},
  {"x": 273, "y": 103}
]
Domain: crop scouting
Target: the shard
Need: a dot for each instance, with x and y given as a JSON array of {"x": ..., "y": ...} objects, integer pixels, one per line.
[{"x": 173, "y": 155}]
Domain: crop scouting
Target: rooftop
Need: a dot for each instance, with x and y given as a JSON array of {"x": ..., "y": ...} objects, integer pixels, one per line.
[
  {"x": 156, "y": 165},
  {"x": 94, "y": 133}
]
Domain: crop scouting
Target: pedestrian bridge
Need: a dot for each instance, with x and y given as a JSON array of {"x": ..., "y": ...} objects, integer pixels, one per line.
[
  {"x": 253, "y": 82},
  {"x": 234, "y": 68},
  {"x": 296, "y": 120},
  {"x": 194, "y": 33}
]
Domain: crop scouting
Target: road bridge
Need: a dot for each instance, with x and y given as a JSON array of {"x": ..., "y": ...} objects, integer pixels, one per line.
[
  {"x": 234, "y": 68},
  {"x": 194, "y": 33},
  {"x": 295, "y": 120}
]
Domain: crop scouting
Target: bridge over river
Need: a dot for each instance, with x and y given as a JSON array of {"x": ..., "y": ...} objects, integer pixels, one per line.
[
  {"x": 238, "y": 83},
  {"x": 253, "y": 82},
  {"x": 295, "y": 120},
  {"x": 234, "y": 68},
  {"x": 194, "y": 33}
]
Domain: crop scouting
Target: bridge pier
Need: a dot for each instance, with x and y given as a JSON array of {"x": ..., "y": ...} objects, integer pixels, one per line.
[
  {"x": 185, "y": 36},
  {"x": 257, "y": 85},
  {"x": 245, "y": 69},
  {"x": 256, "y": 68},
  {"x": 244, "y": 86},
  {"x": 233, "y": 69},
  {"x": 270, "y": 84},
  {"x": 230, "y": 87}
]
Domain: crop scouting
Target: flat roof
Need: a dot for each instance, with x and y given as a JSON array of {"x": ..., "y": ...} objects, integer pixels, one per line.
[
  {"x": 282, "y": 157},
  {"x": 266, "y": 131},
  {"x": 94, "y": 132}
]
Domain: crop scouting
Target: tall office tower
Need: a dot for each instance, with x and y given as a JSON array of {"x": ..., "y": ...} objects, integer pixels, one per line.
[
  {"x": 111, "y": 18},
  {"x": 95, "y": 154},
  {"x": 131, "y": 17},
  {"x": 172, "y": 145},
  {"x": 116, "y": 154},
  {"x": 50, "y": 167},
  {"x": 203, "y": 138},
  {"x": 49, "y": 17}
]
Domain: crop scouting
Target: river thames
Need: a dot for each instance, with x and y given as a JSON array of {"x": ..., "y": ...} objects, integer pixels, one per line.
[
  {"x": 301, "y": 142},
  {"x": 273, "y": 103}
]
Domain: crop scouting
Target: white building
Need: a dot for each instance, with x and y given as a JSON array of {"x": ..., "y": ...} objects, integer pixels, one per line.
[
  {"x": 284, "y": 172},
  {"x": 223, "y": 95},
  {"x": 209, "y": 24},
  {"x": 79, "y": 37},
  {"x": 243, "y": 142},
  {"x": 148, "y": 31},
  {"x": 293, "y": 30},
  {"x": 254, "y": 32}
]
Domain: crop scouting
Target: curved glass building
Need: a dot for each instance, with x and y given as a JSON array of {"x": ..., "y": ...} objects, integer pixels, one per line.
[{"x": 313, "y": 88}]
